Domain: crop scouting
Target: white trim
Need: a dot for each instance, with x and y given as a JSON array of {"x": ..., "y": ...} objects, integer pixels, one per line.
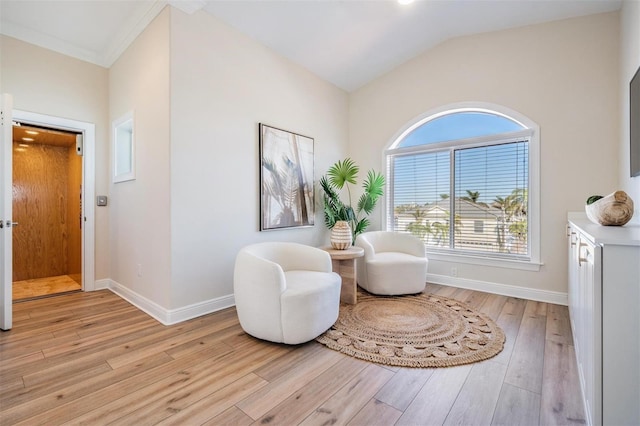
[
  {"x": 50, "y": 42},
  {"x": 115, "y": 145},
  {"x": 469, "y": 106},
  {"x": 169, "y": 316},
  {"x": 527, "y": 293},
  {"x": 201, "y": 308},
  {"x": 534, "y": 196},
  {"x": 485, "y": 261},
  {"x": 6, "y": 211},
  {"x": 479, "y": 141},
  {"x": 135, "y": 25},
  {"x": 102, "y": 284},
  {"x": 131, "y": 28},
  {"x": 88, "y": 183}
]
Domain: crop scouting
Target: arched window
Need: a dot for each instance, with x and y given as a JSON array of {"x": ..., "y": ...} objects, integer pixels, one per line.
[{"x": 464, "y": 179}]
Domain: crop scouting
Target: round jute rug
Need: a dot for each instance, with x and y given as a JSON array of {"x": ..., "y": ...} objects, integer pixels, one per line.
[{"x": 421, "y": 330}]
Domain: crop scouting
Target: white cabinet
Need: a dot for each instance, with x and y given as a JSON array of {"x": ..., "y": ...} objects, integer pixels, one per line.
[
  {"x": 584, "y": 290},
  {"x": 604, "y": 306}
]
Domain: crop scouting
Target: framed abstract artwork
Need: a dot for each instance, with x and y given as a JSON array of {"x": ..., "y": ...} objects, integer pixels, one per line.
[{"x": 286, "y": 179}]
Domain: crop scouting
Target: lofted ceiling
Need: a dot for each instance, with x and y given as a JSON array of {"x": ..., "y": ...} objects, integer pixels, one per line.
[{"x": 346, "y": 42}]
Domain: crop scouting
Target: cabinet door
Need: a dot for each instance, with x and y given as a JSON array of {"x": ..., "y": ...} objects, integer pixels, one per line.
[{"x": 590, "y": 324}]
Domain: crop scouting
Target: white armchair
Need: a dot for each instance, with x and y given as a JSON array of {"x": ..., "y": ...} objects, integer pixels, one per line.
[
  {"x": 285, "y": 292},
  {"x": 393, "y": 263}
]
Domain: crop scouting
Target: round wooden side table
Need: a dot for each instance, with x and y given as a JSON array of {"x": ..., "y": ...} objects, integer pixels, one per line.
[{"x": 343, "y": 263}]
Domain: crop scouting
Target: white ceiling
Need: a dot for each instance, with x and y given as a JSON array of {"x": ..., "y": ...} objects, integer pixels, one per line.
[{"x": 346, "y": 42}]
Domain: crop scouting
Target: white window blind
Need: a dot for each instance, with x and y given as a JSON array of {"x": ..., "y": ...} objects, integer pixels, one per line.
[
  {"x": 491, "y": 187},
  {"x": 421, "y": 191},
  {"x": 469, "y": 198}
]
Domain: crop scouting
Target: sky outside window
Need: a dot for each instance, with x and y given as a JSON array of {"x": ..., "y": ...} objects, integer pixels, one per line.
[{"x": 461, "y": 125}]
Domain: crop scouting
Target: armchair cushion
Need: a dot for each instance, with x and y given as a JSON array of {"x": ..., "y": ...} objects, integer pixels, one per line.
[{"x": 393, "y": 263}]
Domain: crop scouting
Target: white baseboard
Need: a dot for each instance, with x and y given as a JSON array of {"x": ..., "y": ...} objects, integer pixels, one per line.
[
  {"x": 166, "y": 316},
  {"x": 174, "y": 316},
  {"x": 201, "y": 308},
  {"x": 101, "y": 284},
  {"x": 528, "y": 293}
]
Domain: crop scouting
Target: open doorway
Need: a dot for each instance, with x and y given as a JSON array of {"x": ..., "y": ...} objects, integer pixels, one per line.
[{"x": 47, "y": 204}]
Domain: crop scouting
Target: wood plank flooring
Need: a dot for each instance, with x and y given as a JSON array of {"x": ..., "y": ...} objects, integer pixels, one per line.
[{"x": 92, "y": 358}]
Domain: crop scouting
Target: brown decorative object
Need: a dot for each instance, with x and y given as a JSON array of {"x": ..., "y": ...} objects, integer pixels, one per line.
[
  {"x": 423, "y": 330},
  {"x": 341, "y": 236},
  {"x": 615, "y": 209}
]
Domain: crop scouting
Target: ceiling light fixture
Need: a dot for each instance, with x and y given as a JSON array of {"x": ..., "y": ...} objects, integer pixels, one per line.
[
  {"x": 405, "y": 2},
  {"x": 31, "y": 132},
  {"x": 24, "y": 145},
  {"x": 28, "y": 139}
]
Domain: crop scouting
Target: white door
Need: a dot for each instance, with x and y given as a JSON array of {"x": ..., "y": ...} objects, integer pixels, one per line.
[{"x": 6, "y": 177}]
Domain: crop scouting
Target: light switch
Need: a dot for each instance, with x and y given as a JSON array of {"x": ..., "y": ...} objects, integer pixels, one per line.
[{"x": 102, "y": 200}]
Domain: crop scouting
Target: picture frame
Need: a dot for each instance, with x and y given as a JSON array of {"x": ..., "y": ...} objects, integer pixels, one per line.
[
  {"x": 124, "y": 164},
  {"x": 286, "y": 179}
]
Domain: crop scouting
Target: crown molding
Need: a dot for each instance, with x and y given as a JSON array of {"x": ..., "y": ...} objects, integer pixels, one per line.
[
  {"x": 131, "y": 31},
  {"x": 48, "y": 42},
  {"x": 121, "y": 41}
]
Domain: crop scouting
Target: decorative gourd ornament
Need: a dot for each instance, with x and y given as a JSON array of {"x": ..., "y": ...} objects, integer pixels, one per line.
[{"x": 615, "y": 209}]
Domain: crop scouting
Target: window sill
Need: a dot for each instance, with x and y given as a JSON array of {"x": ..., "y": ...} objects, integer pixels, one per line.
[{"x": 523, "y": 265}]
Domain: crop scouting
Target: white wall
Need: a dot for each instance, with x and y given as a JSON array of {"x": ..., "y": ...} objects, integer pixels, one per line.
[
  {"x": 46, "y": 82},
  {"x": 222, "y": 85},
  {"x": 562, "y": 75},
  {"x": 629, "y": 63},
  {"x": 140, "y": 209}
]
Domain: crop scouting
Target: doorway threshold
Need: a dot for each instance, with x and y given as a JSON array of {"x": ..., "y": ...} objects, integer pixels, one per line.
[{"x": 44, "y": 287}]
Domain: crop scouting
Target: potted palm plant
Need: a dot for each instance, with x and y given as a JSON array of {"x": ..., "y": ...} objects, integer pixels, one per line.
[{"x": 339, "y": 176}]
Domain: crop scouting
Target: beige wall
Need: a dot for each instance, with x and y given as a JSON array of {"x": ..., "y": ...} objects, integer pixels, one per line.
[
  {"x": 140, "y": 210},
  {"x": 222, "y": 85},
  {"x": 629, "y": 63},
  {"x": 562, "y": 75},
  {"x": 46, "y": 82}
]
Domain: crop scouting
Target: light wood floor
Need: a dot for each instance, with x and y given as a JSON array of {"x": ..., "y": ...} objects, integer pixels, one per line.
[
  {"x": 39, "y": 287},
  {"x": 92, "y": 358}
]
